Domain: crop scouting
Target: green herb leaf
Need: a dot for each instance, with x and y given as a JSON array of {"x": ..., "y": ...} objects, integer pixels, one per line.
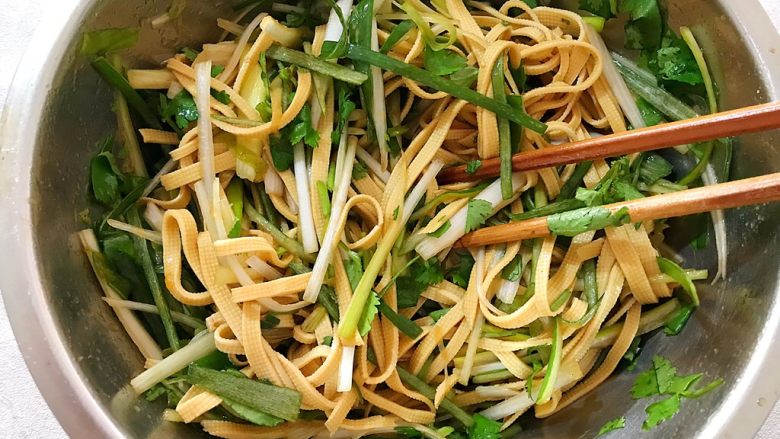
[
  {"x": 441, "y": 230},
  {"x": 484, "y": 428},
  {"x": 602, "y": 8},
  {"x": 421, "y": 274},
  {"x": 443, "y": 62},
  {"x": 275, "y": 401},
  {"x": 353, "y": 265},
  {"x": 615, "y": 424},
  {"x": 513, "y": 270},
  {"x": 664, "y": 373},
  {"x": 460, "y": 273},
  {"x": 102, "y": 41},
  {"x": 696, "y": 393},
  {"x": 465, "y": 77},
  {"x": 632, "y": 355},
  {"x": 653, "y": 168},
  {"x": 270, "y": 321},
  {"x": 190, "y": 53},
  {"x": 395, "y": 212},
  {"x": 235, "y": 196},
  {"x": 438, "y": 314},
  {"x": 346, "y": 106},
  {"x": 220, "y": 96},
  {"x": 650, "y": 114},
  {"x": 473, "y": 166},
  {"x": 661, "y": 411},
  {"x": 216, "y": 70},
  {"x": 578, "y": 221},
  {"x": 105, "y": 178},
  {"x": 369, "y": 313},
  {"x": 281, "y": 151},
  {"x": 646, "y": 384},
  {"x": 680, "y": 384},
  {"x": 182, "y": 108},
  {"x": 359, "y": 170},
  {"x": 303, "y": 130},
  {"x": 645, "y": 26},
  {"x": 478, "y": 211},
  {"x": 674, "y": 61}
]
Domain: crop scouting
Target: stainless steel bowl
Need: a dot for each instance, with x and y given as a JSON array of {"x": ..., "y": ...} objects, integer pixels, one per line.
[{"x": 81, "y": 359}]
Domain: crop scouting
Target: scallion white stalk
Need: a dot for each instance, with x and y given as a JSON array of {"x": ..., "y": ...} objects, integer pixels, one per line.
[
  {"x": 334, "y": 28},
  {"x": 149, "y": 235},
  {"x": 199, "y": 347},
  {"x": 344, "y": 161},
  {"x": 345, "y": 369},
  {"x": 378, "y": 109},
  {"x": 273, "y": 183},
  {"x": 305, "y": 215},
  {"x": 135, "y": 330},
  {"x": 431, "y": 246},
  {"x": 419, "y": 189},
  {"x": 154, "y": 216},
  {"x": 262, "y": 267},
  {"x": 615, "y": 81},
  {"x": 372, "y": 164},
  {"x": 182, "y": 318}
]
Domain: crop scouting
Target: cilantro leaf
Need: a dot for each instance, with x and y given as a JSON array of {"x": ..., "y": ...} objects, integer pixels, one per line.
[
  {"x": 645, "y": 385},
  {"x": 421, "y": 275},
  {"x": 281, "y": 150},
  {"x": 438, "y": 314},
  {"x": 303, "y": 130},
  {"x": 513, "y": 271},
  {"x": 220, "y": 96},
  {"x": 664, "y": 373},
  {"x": 478, "y": 211},
  {"x": 649, "y": 113},
  {"x": 574, "y": 222},
  {"x": 359, "y": 170},
  {"x": 346, "y": 106},
  {"x": 369, "y": 313},
  {"x": 473, "y": 166},
  {"x": 615, "y": 424},
  {"x": 105, "y": 177},
  {"x": 460, "y": 273},
  {"x": 190, "y": 53},
  {"x": 216, "y": 70},
  {"x": 443, "y": 62},
  {"x": 645, "y": 26},
  {"x": 712, "y": 385},
  {"x": 465, "y": 77},
  {"x": 602, "y": 8},
  {"x": 674, "y": 61},
  {"x": 353, "y": 265},
  {"x": 484, "y": 428},
  {"x": 680, "y": 384},
  {"x": 661, "y": 411},
  {"x": 182, "y": 108}
]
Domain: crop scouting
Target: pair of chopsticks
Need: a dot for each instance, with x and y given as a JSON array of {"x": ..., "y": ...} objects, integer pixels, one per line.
[{"x": 756, "y": 190}]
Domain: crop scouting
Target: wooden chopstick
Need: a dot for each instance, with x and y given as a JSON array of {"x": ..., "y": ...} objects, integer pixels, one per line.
[
  {"x": 756, "y": 190},
  {"x": 715, "y": 126}
]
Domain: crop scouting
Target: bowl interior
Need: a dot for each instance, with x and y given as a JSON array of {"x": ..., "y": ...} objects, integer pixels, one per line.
[{"x": 719, "y": 341}]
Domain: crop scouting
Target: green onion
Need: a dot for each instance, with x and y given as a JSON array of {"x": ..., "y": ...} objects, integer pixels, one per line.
[
  {"x": 560, "y": 300},
  {"x": 504, "y": 133},
  {"x": 280, "y": 402},
  {"x": 142, "y": 249},
  {"x": 447, "y": 197},
  {"x": 285, "y": 241},
  {"x": 596, "y": 22},
  {"x": 553, "y": 365},
  {"x": 396, "y": 35},
  {"x": 429, "y": 392},
  {"x": 408, "y": 327},
  {"x": 311, "y": 62},
  {"x": 428, "y": 79},
  {"x": 516, "y": 130},
  {"x": 116, "y": 80},
  {"x": 570, "y": 187},
  {"x": 425, "y": 28},
  {"x": 677, "y": 273},
  {"x": 328, "y": 299},
  {"x": 677, "y": 321}
]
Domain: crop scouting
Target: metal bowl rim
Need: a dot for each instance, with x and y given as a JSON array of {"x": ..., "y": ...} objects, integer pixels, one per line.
[{"x": 56, "y": 374}]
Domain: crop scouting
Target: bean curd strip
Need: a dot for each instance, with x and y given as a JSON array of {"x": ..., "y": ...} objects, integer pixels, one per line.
[{"x": 302, "y": 221}]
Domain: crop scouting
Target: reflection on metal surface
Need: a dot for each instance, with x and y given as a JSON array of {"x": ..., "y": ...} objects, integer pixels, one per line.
[{"x": 82, "y": 360}]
